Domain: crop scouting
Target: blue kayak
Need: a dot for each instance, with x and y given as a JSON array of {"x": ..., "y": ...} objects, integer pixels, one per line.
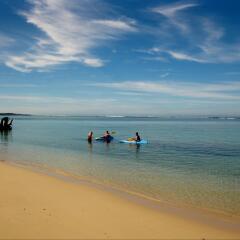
[
  {"x": 103, "y": 139},
  {"x": 133, "y": 142}
]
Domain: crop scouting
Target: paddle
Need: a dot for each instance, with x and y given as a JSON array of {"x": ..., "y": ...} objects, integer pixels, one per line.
[{"x": 131, "y": 139}]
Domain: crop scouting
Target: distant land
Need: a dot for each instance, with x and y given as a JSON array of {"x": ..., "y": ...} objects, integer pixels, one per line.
[
  {"x": 128, "y": 117},
  {"x": 14, "y": 114}
]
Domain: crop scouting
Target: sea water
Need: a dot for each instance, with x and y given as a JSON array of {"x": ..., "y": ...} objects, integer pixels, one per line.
[{"x": 193, "y": 162}]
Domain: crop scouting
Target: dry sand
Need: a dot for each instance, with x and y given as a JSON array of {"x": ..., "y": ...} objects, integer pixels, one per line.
[{"x": 34, "y": 205}]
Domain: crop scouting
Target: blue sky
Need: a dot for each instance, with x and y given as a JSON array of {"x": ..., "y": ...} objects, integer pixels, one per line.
[{"x": 115, "y": 57}]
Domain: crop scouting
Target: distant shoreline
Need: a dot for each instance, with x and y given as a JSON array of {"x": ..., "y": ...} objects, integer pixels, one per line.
[
  {"x": 230, "y": 117},
  {"x": 15, "y": 114}
]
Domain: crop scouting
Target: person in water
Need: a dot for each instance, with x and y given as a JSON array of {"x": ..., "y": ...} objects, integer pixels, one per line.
[
  {"x": 90, "y": 137},
  {"x": 107, "y": 137},
  {"x": 137, "y": 138}
]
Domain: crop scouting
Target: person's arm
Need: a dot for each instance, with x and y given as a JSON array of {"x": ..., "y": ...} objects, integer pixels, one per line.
[{"x": 10, "y": 123}]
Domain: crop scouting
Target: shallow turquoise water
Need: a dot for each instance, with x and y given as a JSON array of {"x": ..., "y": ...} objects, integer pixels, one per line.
[{"x": 192, "y": 162}]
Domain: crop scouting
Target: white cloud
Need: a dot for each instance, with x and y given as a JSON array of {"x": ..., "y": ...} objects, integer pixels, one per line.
[
  {"x": 70, "y": 31},
  {"x": 5, "y": 43},
  {"x": 149, "y": 98},
  {"x": 121, "y": 25},
  {"x": 59, "y": 105},
  {"x": 164, "y": 75},
  {"x": 200, "y": 38},
  {"x": 39, "y": 99},
  {"x": 171, "y": 10},
  {"x": 184, "y": 56},
  {"x": 131, "y": 94},
  {"x": 222, "y": 91},
  {"x": 93, "y": 62},
  {"x": 210, "y": 53}
]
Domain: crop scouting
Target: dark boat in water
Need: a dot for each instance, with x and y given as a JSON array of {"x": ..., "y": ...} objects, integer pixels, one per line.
[{"x": 6, "y": 124}]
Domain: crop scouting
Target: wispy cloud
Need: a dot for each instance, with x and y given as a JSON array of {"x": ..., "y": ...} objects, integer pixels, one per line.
[
  {"x": 70, "y": 31},
  {"x": 200, "y": 39},
  {"x": 58, "y": 105},
  {"x": 223, "y": 91},
  {"x": 117, "y": 24},
  {"x": 39, "y": 99},
  {"x": 5, "y": 43},
  {"x": 184, "y": 56},
  {"x": 5, "y": 40},
  {"x": 133, "y": 94},
  {"x": 164, "y": 75},
  {"x": 172, "y": 11}
]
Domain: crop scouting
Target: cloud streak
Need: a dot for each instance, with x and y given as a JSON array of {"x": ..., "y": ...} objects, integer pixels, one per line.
[
  {"x": 39, "y": 99},
  {"x": 201, "y": 39},
  {"x": 221, "y": 91},
  {"x": 70, "y": 30},
  {"x": 171, "y": 10}
]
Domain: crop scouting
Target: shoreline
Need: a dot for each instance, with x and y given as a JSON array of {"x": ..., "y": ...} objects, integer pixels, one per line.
[
  {"x": 153, "y": 221},
  {"x": 181, "y": 208}
]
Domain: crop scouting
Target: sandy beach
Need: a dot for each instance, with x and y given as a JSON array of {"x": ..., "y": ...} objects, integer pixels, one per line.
[{"x": 34, "y": 205}]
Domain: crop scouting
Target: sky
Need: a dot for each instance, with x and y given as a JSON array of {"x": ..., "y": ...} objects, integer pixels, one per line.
[{"x": 120, "y": 57}]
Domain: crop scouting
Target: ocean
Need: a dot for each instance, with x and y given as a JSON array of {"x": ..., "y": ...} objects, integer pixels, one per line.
[{"x": 187, "y": 162}]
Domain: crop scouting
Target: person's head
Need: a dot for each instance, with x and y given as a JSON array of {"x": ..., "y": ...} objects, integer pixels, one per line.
[
  {"x": 90, "y": 133},
  {"x": 107, "y": 132},
  {"x": 136, "y": 133}
]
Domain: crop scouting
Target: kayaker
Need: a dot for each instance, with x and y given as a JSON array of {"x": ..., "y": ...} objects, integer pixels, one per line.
[
  {"x": 137, "y": 138},
  {"x": 107, "y": 137},
  {"x": 90, "y": 136}
]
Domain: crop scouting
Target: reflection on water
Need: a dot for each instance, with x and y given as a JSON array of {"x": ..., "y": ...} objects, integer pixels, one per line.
[
  {"x": 138, "y": 146},
  {"x": 90, "y": 147},
  {"x": 5, "y": 139},
  {"x": 5, "y": 136}
]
